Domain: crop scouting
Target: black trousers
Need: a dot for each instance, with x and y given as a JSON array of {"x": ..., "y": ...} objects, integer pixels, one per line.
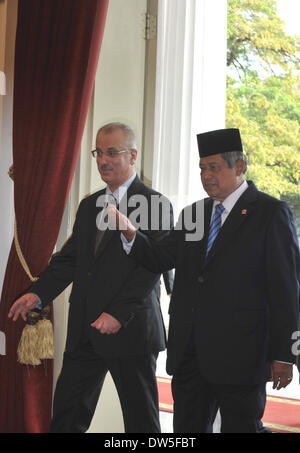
[
  {"x": 196, "y": 402},
  {"x": 80, "y": 383}
]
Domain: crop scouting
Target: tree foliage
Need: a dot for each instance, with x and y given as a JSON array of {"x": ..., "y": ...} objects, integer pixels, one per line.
[
  {"x": 263, "y": 96},
  {"x": 256, "y": 38}
]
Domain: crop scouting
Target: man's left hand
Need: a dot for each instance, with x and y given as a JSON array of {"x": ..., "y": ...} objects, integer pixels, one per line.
[
  {"x": 281, "y": 374},
  {"x": 107, "y": 324}
]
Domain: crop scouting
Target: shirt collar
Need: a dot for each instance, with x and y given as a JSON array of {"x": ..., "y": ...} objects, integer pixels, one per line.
[
  {"x": 231, "y": 200},
  {"x": 120, "y": 192}
]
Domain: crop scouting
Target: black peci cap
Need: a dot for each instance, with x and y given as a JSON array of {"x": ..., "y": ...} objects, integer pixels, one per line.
[{"x": 219, "y": 141}]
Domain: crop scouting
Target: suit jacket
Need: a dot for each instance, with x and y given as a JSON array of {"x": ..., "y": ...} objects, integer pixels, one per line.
[
  {"x": 241, "y": 301},
  {"x": 168, "y": 278},
  {"x": 109, "y": 281}
]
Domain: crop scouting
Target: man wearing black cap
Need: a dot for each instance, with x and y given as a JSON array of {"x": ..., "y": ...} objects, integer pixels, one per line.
[{"x": 235, "y": 300}]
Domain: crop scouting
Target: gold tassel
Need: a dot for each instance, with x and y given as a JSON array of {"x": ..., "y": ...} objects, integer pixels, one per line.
[
  {"x": 27, "y": 349},
  {"x": 45, "y": 336}
]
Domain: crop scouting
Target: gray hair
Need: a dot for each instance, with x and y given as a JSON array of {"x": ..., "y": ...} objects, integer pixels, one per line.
[
  {"x": 231, "y": 157},
  {"x": 128, "y": 132}
]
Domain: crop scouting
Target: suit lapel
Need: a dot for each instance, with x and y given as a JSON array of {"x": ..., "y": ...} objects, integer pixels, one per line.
[
  {"x": 134, "y": 188},
  {"x": 105, "y": 240},
  {"x": 239, "y": 214}
]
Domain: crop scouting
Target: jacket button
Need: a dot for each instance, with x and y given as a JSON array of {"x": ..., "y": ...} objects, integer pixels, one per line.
[{"x": 201, "y": 279}]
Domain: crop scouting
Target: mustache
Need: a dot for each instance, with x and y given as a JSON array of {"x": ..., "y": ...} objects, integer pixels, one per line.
[{"x": 105, "y": 167}]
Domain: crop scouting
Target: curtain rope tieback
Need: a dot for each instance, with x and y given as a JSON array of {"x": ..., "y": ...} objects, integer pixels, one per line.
[
  {"x": 21, "y": 256},
  {"x": 36, "y": 342},
  {"x": 16, "y": 239}
]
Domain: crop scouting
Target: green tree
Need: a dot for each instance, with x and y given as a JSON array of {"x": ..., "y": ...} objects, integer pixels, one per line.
[
  {"x": 263, "y": 96},
  {"x": 256, "y": 38}
]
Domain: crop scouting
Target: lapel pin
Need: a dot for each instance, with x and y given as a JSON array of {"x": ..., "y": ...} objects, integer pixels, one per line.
[{"x": 244, "y": 211}]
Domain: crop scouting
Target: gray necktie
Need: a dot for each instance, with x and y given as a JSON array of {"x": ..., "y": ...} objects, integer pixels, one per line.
[{"x": 100, "y": 233}]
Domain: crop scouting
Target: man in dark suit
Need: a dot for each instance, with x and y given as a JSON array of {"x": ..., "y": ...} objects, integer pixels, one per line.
[
  {"x": 234, "y": 306},
  {"x": 115, "y": 321}
]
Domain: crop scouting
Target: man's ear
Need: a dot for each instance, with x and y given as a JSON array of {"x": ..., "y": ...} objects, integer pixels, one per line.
[
  {"x": 133, "y": 156},
  {"x": 240, "y": 167}
]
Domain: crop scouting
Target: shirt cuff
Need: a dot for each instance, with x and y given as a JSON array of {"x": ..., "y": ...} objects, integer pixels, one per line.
[
  {"x": 127, "y": 246},
  {"x": 39, "y": 305},
  {"x": 280, "y": 361}
]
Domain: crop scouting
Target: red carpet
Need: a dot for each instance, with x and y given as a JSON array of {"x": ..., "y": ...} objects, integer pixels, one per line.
[
  {"x": 165, "y": 394},
  {"x": 282, "y": 415}
]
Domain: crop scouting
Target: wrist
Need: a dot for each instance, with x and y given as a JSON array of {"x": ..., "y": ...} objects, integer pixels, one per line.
[{"x": 131, "y": 235}]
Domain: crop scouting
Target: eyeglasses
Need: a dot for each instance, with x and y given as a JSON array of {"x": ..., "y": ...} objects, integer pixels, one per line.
[{"x": 109, "y": 153}]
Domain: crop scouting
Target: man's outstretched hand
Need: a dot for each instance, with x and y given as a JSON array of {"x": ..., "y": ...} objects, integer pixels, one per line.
[
  {"x": 121, "y": 222},
  {"x": 22, "y": 306}
]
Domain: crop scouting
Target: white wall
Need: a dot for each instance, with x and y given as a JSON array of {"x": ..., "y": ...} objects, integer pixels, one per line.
[{"x": 8, "y": 18}]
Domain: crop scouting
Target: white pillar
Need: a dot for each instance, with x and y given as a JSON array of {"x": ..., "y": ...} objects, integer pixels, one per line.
[{"x": 190, "y": 91}]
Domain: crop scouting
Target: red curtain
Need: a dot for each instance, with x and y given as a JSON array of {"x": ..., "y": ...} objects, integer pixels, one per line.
[{"x": 57, "y": 49}]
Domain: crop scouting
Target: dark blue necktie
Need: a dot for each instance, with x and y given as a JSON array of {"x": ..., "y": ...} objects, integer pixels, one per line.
[{"x": 215, "y": 226}]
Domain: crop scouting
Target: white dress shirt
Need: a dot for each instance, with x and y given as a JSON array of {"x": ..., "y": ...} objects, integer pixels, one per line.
[
  {"x": 121, "y": 191},
  {"x": 230, "y": 201}
]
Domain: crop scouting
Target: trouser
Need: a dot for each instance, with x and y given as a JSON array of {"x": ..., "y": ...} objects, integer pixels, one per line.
[
  {"x": 80, "y": 383},
  {"x": 196, "y": 402}
]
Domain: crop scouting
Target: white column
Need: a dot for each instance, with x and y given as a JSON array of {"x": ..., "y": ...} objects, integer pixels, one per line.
[{"x": 190, "y": 91}]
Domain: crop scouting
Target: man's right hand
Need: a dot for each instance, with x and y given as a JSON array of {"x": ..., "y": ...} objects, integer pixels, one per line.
[
  {"x": 121, "y": 222},
  {"x": 22, "y": 306}
]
